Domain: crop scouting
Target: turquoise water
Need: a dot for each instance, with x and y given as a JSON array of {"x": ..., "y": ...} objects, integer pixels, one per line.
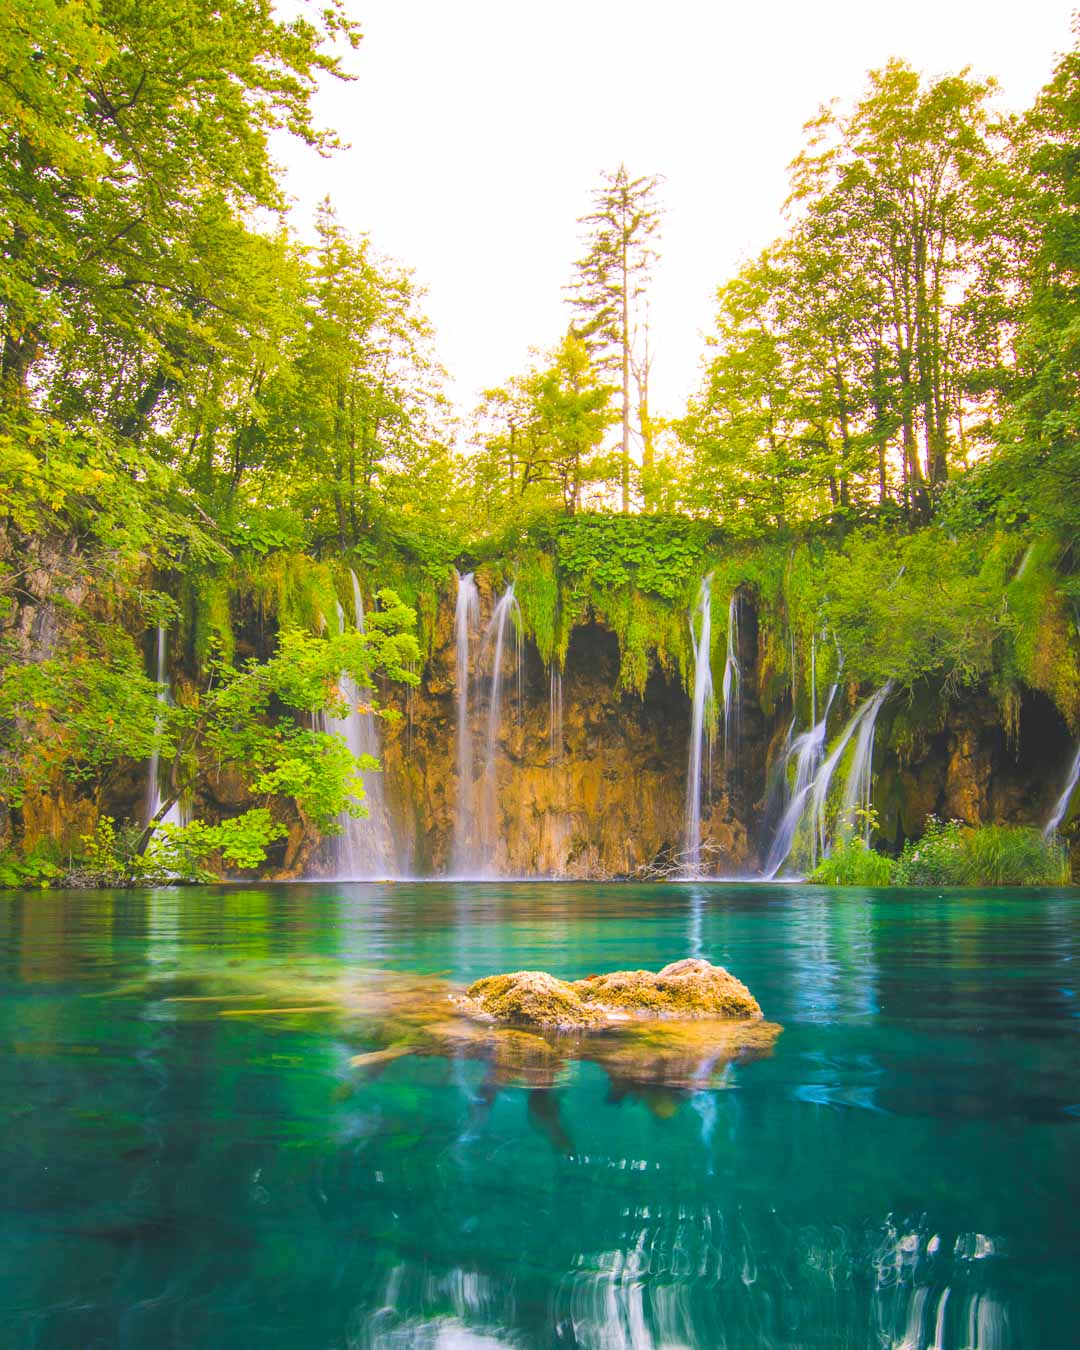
[{"x": 184, "y": 1166}]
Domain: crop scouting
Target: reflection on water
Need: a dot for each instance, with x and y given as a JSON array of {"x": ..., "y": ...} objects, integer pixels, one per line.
[{"x": 191, "y": 1158}]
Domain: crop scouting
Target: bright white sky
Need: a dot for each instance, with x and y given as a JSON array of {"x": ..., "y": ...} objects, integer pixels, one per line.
[{"x": 478, "y": 128}]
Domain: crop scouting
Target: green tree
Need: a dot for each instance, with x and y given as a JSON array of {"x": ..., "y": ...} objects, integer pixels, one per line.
[
  {"x": 1037, "y": 470},
  {"x": 612, "y": 278},
  {"x": 538, "y": 436},
  {"x": 125, "y": 127},
  {"x": 892, "y": 189}
]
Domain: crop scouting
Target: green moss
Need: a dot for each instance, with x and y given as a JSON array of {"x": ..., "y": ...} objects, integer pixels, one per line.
[
  {"x": 1045, "y": 651},
  {"x": 212, "y": 618},
  {"x": 536, "y": 586}
]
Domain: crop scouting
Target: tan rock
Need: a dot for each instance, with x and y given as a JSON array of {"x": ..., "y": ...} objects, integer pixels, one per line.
[
  {"x": 532, "y": 998},
  {"x": 685, "y": 989}
]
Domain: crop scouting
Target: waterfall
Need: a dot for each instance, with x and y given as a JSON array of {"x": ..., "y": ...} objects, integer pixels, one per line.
[
  {"x": 1062, "y": 805},
  {"x": 555, "y": 715},
  {"x": 365, "y": 849},
  {"x": 495, "y": 641},
  {"x": 807, "y": 750},
  {"x": 700, "y": 722},
  {"x": 731, "y": 685},
  {"x": 857, "y": 789},
  {"x": 807, "y": 810},
  {"x": 466, "y": 618},
  {"x": 174, "y": 815},
  {"x": 862, "y": 727}
]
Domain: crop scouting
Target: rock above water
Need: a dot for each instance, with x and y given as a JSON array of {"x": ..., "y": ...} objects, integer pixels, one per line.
[
  {"x": 685, "y": 989},
  {"x": 531, "y": 998},
  {"x": 690, "y": 988}
]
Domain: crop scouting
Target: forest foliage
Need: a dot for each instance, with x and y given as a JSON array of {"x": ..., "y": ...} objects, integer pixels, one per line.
[{"x": 200, "y": 412}]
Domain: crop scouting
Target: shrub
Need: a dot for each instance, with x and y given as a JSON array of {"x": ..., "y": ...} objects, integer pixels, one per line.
[
  {"x": 933, "y": 860},
  {"x": 952, "y": 854},
  {"x": 853, "y": 863}
]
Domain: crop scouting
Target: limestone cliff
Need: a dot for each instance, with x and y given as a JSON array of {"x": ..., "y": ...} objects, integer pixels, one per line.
[{"x": 607, "y": 796}]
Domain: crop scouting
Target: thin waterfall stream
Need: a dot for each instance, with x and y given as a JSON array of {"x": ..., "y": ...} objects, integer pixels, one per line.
[
  {"x": 366, "y": 848},
  {"x": 700, "y": 725},
  {"x": 466, "y": 620},
  {"x": 731, "y": 686},
  {"x": 175, "y": 814},
  {"x": 1061, "y": 806},
  {"x": 496, "y": 641}
]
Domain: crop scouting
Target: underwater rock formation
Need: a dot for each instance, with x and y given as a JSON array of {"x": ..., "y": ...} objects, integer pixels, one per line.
[{"x": 386, "y": 1015}]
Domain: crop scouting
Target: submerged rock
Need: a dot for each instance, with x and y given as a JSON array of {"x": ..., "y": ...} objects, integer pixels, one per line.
[{"x": 685, "y": 989}]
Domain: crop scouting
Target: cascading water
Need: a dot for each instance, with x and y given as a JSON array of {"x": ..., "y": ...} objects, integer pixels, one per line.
[
  {"x": 807, "y": 750},
  {"x": 174, "y": 815},
  {"x": 700, "y": 725},
  {"x": 862, "y": 726},
  {"x": 859, "y": 784},
  {"x": 1062, "y": 804},
  {"x": 466, "y": 619},
  {"x": 806, "y": 815},
  {"x": 555, "y": 715},
  {"x": 731, "y": 686},
  {"x": 366, "y": 847},
  {"x": 495, "y": 642}
]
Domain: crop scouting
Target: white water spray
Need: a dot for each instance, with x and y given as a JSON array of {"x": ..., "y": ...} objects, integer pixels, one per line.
[
  {"x": 806, "y": 814},
  {"x": 1062, "y": 805},
  {"x": 174, "y": 815},
  {"x": 496, "y": 641},
  {"x": 366, "y": 848},
  {"x": 701, "y": 720},
  {"x": 807, "y": 750},
  {"x": 466, "y": 619},
  {"x": 732, "y": 685}
]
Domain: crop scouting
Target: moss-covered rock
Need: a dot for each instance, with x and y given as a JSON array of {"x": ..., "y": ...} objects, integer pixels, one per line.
[
  {"x": 531, "y": 998},
  {"x": 689, "y": 988},
  {"x": 684, "y": 989}
]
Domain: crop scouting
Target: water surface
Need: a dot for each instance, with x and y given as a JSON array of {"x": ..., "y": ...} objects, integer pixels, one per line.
[{"x": 902, "y": 1171}]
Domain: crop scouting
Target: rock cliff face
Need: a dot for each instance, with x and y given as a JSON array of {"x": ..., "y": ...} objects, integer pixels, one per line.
[
  {"x": 607, "y": 797},
  {"x": 969, "y": 768}
]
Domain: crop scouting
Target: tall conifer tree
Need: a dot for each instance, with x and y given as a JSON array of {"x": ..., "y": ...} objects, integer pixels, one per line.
[{"x": 612, "y": 277}]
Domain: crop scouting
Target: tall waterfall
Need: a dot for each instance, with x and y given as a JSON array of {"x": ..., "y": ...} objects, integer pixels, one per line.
[
  {"x": 466, "y": 619},
  {"x": 174, "y": 815},
  {"x": 700, "y": 725},
  {"x": 500, "y": 627},
  {"x": 806, "y": 816},
  {"x": 366, "y": 848},
  {"x": 1062, "y": 804},
  {"x": 555, "y": 715},
  {"x": 732, "y": 685}
]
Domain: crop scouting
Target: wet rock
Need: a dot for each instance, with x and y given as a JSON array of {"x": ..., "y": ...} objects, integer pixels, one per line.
[
  {"x": 689, "y": 988},
  {"x": 685, "y": 989},
  {"x": 531, "y": 998}
]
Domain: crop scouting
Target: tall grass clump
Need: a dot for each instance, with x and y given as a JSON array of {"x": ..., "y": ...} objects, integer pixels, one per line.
[
  {"x": 952, "y": 854},
  {"x": 853, "y": 863}
]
